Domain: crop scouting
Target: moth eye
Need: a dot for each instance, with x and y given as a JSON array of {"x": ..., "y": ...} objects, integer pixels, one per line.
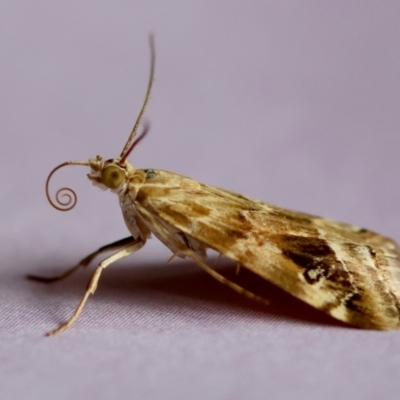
[{"x": 112, "y": 176}]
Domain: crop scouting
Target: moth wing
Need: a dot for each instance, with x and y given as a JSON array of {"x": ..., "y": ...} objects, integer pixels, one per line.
[{"x": 348, "y": 272}]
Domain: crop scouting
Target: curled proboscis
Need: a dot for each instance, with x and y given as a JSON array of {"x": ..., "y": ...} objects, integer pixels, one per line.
[{"x": 65, "y": 198}]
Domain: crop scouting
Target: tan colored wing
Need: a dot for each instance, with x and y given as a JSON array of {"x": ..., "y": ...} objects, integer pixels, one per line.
[{"x": 350, "y": 273}]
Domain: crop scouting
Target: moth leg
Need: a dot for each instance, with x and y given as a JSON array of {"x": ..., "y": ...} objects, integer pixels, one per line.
[
  {"x": 172, "y": 258},
  {"x": 84, "y": 262},
  {"x": 224, "y": 280},
  {"x": 237, "y": 268},
  {"x": 92, "y": 285}
]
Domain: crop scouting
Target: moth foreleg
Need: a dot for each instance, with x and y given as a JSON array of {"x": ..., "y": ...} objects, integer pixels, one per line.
[
  {"x": 224, "y": 280},
  {"x": 84, "y": 262},
  {"x": 92, "y": 285}
]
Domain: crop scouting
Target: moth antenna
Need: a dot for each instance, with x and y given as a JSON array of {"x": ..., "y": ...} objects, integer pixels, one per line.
[
  {"x": 64, "y": 196},
  {"x": 133, "y": 145},
  {"x": 146, "y": 99}
]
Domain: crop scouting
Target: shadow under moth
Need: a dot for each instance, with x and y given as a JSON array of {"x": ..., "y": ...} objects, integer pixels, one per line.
[{"x": 348, "y": 272}]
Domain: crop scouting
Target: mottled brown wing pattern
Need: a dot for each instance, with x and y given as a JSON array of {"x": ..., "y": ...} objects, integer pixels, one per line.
[{"x": 348, "y": 272}]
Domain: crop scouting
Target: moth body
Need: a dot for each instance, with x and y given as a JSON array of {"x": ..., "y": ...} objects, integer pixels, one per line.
[
  {"x": 345, "y": 271},
  {"x": 349, "y": 272}
]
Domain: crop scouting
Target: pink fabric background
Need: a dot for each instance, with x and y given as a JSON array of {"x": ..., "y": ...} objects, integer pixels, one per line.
[{"x": 296, "y": 103}]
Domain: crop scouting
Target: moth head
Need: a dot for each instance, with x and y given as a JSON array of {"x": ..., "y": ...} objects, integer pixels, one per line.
[
  {"x": 107, "y": 174},
  {"x": 114, "y": 173},
  {"x": 110, "y": 174}
]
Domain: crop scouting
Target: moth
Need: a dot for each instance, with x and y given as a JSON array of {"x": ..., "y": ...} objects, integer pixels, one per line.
[{"x": 348, "y": 272}]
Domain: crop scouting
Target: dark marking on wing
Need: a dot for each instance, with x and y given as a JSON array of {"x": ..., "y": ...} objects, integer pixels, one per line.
[
  {"x": 316, "y": 258},
  {"x": 236, "y": 233},
  {"x": 373, "y": 253},
  {"x": 150, "y": 173},
  {"x": 353, "y": 303},
  {"x": 241, "y": 218}
]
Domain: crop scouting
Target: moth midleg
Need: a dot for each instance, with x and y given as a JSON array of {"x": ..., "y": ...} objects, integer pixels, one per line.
[
  {"x": 92, "y": 285},
  {"x": 84, "y": 262},
  {"x": 225, "y": 281}
]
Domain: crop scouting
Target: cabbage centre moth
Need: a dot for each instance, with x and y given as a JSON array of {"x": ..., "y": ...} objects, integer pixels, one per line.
[{"x": 348, "y": 272}]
